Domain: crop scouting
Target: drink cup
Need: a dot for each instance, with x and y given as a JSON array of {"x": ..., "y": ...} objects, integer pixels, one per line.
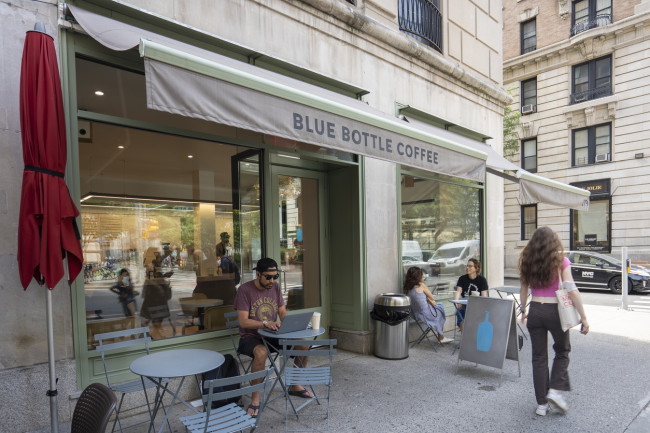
[{"x": 315, "y": 321}]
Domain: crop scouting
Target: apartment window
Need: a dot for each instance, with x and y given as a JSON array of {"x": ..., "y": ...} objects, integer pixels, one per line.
[
  {"x": 588, "y": 14},
  {"x": 528, "y": 36},
  {"x": 529, "y": 155},
  {"x": 591, "y": 80},
  {"x": 529, "y": 96},
  {"x": 422, "y": 20},
  {"x": 528, "y": 221},
  {"x": 592, "y": 145}
]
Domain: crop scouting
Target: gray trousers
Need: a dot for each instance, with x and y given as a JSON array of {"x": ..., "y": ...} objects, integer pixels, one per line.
[{"x": 542, "y": 319}]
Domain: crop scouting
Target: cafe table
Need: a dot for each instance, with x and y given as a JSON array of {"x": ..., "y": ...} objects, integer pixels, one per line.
[
  {"x": 297, "y": 335},
  {"x": 175, "y": 363}
]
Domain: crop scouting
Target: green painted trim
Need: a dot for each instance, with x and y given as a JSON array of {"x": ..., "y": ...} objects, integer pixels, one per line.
[
  {"x": 363, "y": 248},
  {"x": 521, "y": 174},
  {"x": 69, "y": 91},
  {"x": 162, "y": 53}
]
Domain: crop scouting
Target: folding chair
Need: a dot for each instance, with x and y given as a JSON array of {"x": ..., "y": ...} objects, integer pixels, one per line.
[
  {"x": 425, "y": 329},
  {"x": 229, "y": 418},
  {"x": 93, "y": 409},
  {"x": 232, "y": 324},
  {"x": 127, "y": 338},
  {"x": 320, "y": 376}
]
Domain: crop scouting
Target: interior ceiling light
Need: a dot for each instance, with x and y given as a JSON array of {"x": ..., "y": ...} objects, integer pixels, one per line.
[
  {"x": 190, "y": 156},
  {"x": 120, "y": 147},
  {"x": 99, "y": 93}
]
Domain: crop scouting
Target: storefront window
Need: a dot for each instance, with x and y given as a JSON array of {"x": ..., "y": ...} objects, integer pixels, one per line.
[
  {"x": 591, "y": 229},
  {"x": 441, "y": 230}
]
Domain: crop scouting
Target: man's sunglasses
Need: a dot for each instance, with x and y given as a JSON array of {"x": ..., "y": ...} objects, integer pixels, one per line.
[{"x": 271, "y": 277}]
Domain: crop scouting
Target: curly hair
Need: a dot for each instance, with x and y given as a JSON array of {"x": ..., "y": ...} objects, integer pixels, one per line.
[
  {"x": 541, "y": 259},
  {"x": 413, "y": 278}
]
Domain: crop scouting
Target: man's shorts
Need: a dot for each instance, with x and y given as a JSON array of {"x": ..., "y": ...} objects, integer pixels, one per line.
[{"x": 246, "y": 345}]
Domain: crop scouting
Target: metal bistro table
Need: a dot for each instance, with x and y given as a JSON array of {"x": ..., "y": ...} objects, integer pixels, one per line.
[
  {"x": 512, "y": 290},
  {"x": 171, "y": 364},
  {"x": 457, "y": 302},
  {"x": 297, "y": 335}
]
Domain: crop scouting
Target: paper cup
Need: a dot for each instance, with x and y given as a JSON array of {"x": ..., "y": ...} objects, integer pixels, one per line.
[{"x": 315, "y": 321}]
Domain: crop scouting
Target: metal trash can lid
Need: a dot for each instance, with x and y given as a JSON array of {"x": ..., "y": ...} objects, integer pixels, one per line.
[{"x": 393, "y": 300}]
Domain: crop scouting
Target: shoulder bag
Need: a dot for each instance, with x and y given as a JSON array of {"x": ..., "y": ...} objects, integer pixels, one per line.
[{"x": 569, "y": 317}]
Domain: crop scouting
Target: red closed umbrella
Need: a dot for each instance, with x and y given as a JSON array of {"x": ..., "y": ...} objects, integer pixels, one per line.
[{"x": 46, "y": 229}]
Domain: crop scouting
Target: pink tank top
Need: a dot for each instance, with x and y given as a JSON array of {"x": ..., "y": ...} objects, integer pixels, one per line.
[{"x": 549, "y": 291}]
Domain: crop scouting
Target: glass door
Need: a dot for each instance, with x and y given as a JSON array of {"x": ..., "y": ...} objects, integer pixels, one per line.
[
  {"x": 298, "y": 233},
  {"x": 248, "y": 230}
]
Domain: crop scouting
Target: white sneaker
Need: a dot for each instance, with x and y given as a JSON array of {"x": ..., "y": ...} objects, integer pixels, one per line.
[
  {"x": 446, "y": 340},
  {"x": 542, "y": 409},
  {"x": 554, "y": 396}
]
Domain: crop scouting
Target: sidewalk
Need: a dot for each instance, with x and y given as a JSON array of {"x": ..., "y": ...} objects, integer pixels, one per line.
[{"x": 609, "y": 374}]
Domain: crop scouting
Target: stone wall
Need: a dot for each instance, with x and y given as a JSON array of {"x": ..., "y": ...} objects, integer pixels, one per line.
[{"x": 626, "y": 41}]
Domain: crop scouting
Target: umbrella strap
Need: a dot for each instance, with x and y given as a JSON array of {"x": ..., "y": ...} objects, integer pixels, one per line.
[
  {"x": 62, "y": 176},
  {"x": 44, "y": 170}
]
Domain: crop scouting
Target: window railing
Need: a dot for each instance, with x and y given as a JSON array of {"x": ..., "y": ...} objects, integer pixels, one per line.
[
  {"x": 598, "y": 21},
  {"x": 590, "y": 94},
  {"x": 423, "y": 20}
]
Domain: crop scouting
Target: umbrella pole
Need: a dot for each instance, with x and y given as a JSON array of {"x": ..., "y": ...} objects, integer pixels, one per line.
[{"x": 52, "y": 392}]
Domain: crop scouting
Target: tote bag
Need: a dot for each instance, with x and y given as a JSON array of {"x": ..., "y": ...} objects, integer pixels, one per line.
[{"x": 569, "y": 317}]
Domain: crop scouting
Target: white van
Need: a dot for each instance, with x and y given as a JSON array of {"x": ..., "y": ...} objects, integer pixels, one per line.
[
  {"x": 411, "y": 251},
  {"x": 451, "y": 258}
]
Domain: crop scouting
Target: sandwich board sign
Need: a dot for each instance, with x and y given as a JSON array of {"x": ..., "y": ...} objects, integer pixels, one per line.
[{"x": 490, "y": 333}]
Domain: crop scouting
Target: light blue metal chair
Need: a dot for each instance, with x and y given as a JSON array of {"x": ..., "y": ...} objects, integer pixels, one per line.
[
  {"x": 130, "y": 339},
  {"x": 425, "y": 329},
  {"x": 229, "y": 418},
  {"x": 232, "y": 324},
  {"x": 319, "y": 377}
]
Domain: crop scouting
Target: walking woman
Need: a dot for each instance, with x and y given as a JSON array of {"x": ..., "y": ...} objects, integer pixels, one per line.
[{"x": 539, "y": 267}]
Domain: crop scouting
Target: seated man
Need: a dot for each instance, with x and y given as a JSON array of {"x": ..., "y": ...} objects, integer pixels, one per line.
[
  {"x": 259, "y": 304},
  {"x": 469, "y": 284}
]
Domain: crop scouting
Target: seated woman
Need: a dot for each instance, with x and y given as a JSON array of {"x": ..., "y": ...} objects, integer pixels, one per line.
[
  {"x": 469, "y": 284},
  {"x": 423, "y": 304}
]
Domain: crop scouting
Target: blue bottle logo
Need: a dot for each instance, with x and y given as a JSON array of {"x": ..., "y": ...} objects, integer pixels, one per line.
[{"x": 484, "y": 334}]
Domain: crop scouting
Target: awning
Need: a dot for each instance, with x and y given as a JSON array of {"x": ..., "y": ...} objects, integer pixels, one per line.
[
  {"x": 532, "y": 188},
  {"x": 189, "y": 81}
]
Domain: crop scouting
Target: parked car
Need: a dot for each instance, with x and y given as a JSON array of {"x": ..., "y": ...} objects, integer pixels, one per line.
[
  {"x": 451, "y": 258},
  {"x": 600, "y": 271}
]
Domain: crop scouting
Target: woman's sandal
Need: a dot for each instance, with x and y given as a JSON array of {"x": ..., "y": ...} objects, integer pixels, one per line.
[
  {"x": 255, "y": 409},
  {"x": 302, "y": 393}
]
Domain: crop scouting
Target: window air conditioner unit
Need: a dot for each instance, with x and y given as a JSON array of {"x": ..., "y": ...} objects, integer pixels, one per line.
[
  {"x": 530, "y": 108},
  {"x": 603, "y": 157},
  {"x": 580, "y": 97}
]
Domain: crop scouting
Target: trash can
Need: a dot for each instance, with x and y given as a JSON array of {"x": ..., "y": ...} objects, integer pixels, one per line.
[{"x": 391, "y": 315}]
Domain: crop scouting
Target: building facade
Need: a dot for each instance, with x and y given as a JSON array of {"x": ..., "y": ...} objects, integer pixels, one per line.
[
  {"x": 172, "y": 191},
  {"x": 577, "y": 71}
]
